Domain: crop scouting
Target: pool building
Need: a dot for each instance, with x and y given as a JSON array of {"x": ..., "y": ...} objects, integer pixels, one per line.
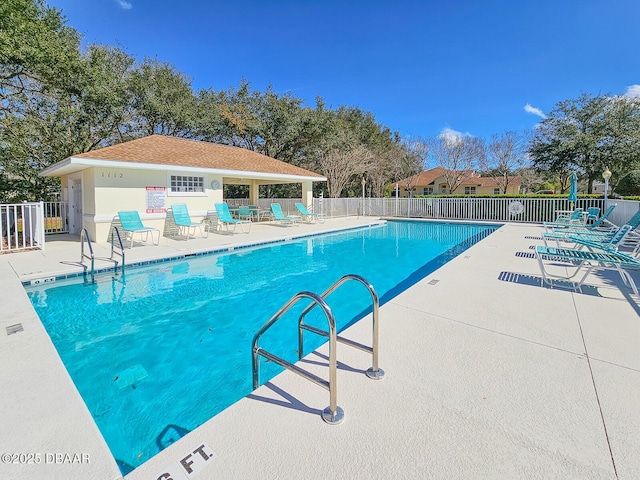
[{"x": 151, "y": 173}]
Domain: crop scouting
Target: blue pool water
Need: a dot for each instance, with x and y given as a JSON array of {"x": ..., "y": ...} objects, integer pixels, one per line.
[{"x": 164, "y": 348}]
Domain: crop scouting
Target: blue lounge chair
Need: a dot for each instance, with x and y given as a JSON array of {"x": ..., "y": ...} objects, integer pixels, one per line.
[
  {"x": 605, "y": 258},
  {"x": 576, "y": 218},
  {"x": 609, "y": 243},
  {"x": 224, "y": 217},
  {"x": 593, "y": 232},
  {"x": 278, "y": 216},
  {"x": 183, "y": 221},
  {"x": 131, "y": 224},
  {"x": 601, "y": 223},
  {"x": 308, "y": 216}
]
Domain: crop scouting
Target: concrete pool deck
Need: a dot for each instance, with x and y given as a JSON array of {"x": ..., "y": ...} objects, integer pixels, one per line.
[{"x": 488, "y": 375}]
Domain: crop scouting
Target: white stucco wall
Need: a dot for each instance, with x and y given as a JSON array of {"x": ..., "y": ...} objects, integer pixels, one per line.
[{"x": 113, "y": 190}]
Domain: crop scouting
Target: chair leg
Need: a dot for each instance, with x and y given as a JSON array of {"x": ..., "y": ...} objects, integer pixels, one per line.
[{"x": 628, "y": 279}]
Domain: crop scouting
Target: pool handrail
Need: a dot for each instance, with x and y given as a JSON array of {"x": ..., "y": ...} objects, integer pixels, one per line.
[
  {"x": 115, "y": 233},
  {"x": 374, "y": 372},
  {"x": 84, "y": 237},
  {"x": 332, "y": 414}
]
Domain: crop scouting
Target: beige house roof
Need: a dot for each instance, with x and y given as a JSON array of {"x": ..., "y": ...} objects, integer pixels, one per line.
[{"x": 175, "y": 153}]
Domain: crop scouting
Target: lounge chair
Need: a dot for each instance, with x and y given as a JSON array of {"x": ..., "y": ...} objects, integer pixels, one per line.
[
  {"x": 597, "y": 231},
  {"x": 131, "y": 224},
  {"x": 605, "y": 258},
  {"x": 211, "y": 221},
  {"x": 183, "y": 221},
  {"x": 308, "y": 216},
  {"x": 576, "y": 218},
  {"x": 278, "y": 216},
  {"x": 609, "y": 242},
  {"x": 224, "y": 217},
  {"x": 601, "y": 223}
]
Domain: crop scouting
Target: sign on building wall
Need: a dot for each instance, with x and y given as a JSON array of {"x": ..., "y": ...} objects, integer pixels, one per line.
[{"x": 156, "y": 199}]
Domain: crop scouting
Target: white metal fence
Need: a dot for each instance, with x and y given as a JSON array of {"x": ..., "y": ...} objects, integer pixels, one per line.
[
  {"x": 56, "y": 216},
  {"x": 21, "y": 226},
  {"x": 532, "y": 210}
]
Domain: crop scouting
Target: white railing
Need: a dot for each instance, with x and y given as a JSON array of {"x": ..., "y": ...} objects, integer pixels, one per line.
[
  {"x": 56, "y": 217},
  {"x": 534, "y": 210},
  {"x": 21, "y": 226},
  {"x": 288, "y": 204}
]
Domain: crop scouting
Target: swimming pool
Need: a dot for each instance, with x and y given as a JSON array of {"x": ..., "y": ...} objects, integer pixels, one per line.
[{"x": 159, "y": 351}]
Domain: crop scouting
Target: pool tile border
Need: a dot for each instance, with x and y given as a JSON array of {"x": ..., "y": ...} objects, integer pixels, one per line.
[{"x": 144, "y": 263}]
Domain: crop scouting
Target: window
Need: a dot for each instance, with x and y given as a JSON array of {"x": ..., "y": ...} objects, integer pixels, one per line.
[
  {"x": 496, "y": 191},
  {"x": 427, "y": 191},
  {"x": 469, "y": 190},
  {"x": 186, "y": 184}
]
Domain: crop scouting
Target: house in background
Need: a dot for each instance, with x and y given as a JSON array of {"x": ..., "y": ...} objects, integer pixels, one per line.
[
  {"x": 598, "y": 188},
  {"x": 434, "y": 182},
  {"x": 151, "y": 173}
]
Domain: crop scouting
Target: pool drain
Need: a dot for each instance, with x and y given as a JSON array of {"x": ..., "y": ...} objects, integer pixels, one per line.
[{"x": 11, "y": 329}]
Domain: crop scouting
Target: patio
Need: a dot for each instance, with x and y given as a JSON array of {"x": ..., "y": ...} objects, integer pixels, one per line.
[{"x": 489, "y": 375}]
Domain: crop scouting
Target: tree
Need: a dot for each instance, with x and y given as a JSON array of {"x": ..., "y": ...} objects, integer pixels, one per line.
[
  {"x": 344, "y": 159},
  {"x": 588, "y": 134},
  {"x": 162, "y": 100},
  {"x": 37, "y": 49},
  {"x": 458, "y": 155},
  {"x": 505, "y": 154},
  {"x": 42, "y": 127},
  {"x": 629, "y": 184},
  {"x": 409, "y": 162}
]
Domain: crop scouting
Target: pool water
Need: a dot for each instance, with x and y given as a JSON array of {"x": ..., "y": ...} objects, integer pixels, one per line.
[{"x": 160, "y": 350}]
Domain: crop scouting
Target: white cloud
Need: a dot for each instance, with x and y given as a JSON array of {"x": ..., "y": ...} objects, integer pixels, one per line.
[
  {"x": 451, "y": 136},
  {"x": 633, "y": 91},
  {"x": 125, "y": 5},
  {"x": 534, "y": 111}
]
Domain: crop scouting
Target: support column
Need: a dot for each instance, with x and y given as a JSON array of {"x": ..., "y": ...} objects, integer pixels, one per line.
[
  {"x": 254, "y": 192},
  {"x": 307, "y": 194}
]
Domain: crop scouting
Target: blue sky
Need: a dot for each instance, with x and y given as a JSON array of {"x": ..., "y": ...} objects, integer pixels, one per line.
[{"x": 420, "y": 67}]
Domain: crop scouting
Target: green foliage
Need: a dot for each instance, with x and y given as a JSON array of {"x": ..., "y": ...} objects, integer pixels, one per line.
[
  {"x": 162, "y": 100},
  {"x": 587, "y": 135},
  {"x": 36, "y": 48},
  {"x": 629, "y": 184}
]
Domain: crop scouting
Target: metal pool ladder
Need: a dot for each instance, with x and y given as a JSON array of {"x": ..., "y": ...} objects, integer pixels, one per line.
[
  {"x": 84, "y": 238},
  {"x": 332, "y": 414}
]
